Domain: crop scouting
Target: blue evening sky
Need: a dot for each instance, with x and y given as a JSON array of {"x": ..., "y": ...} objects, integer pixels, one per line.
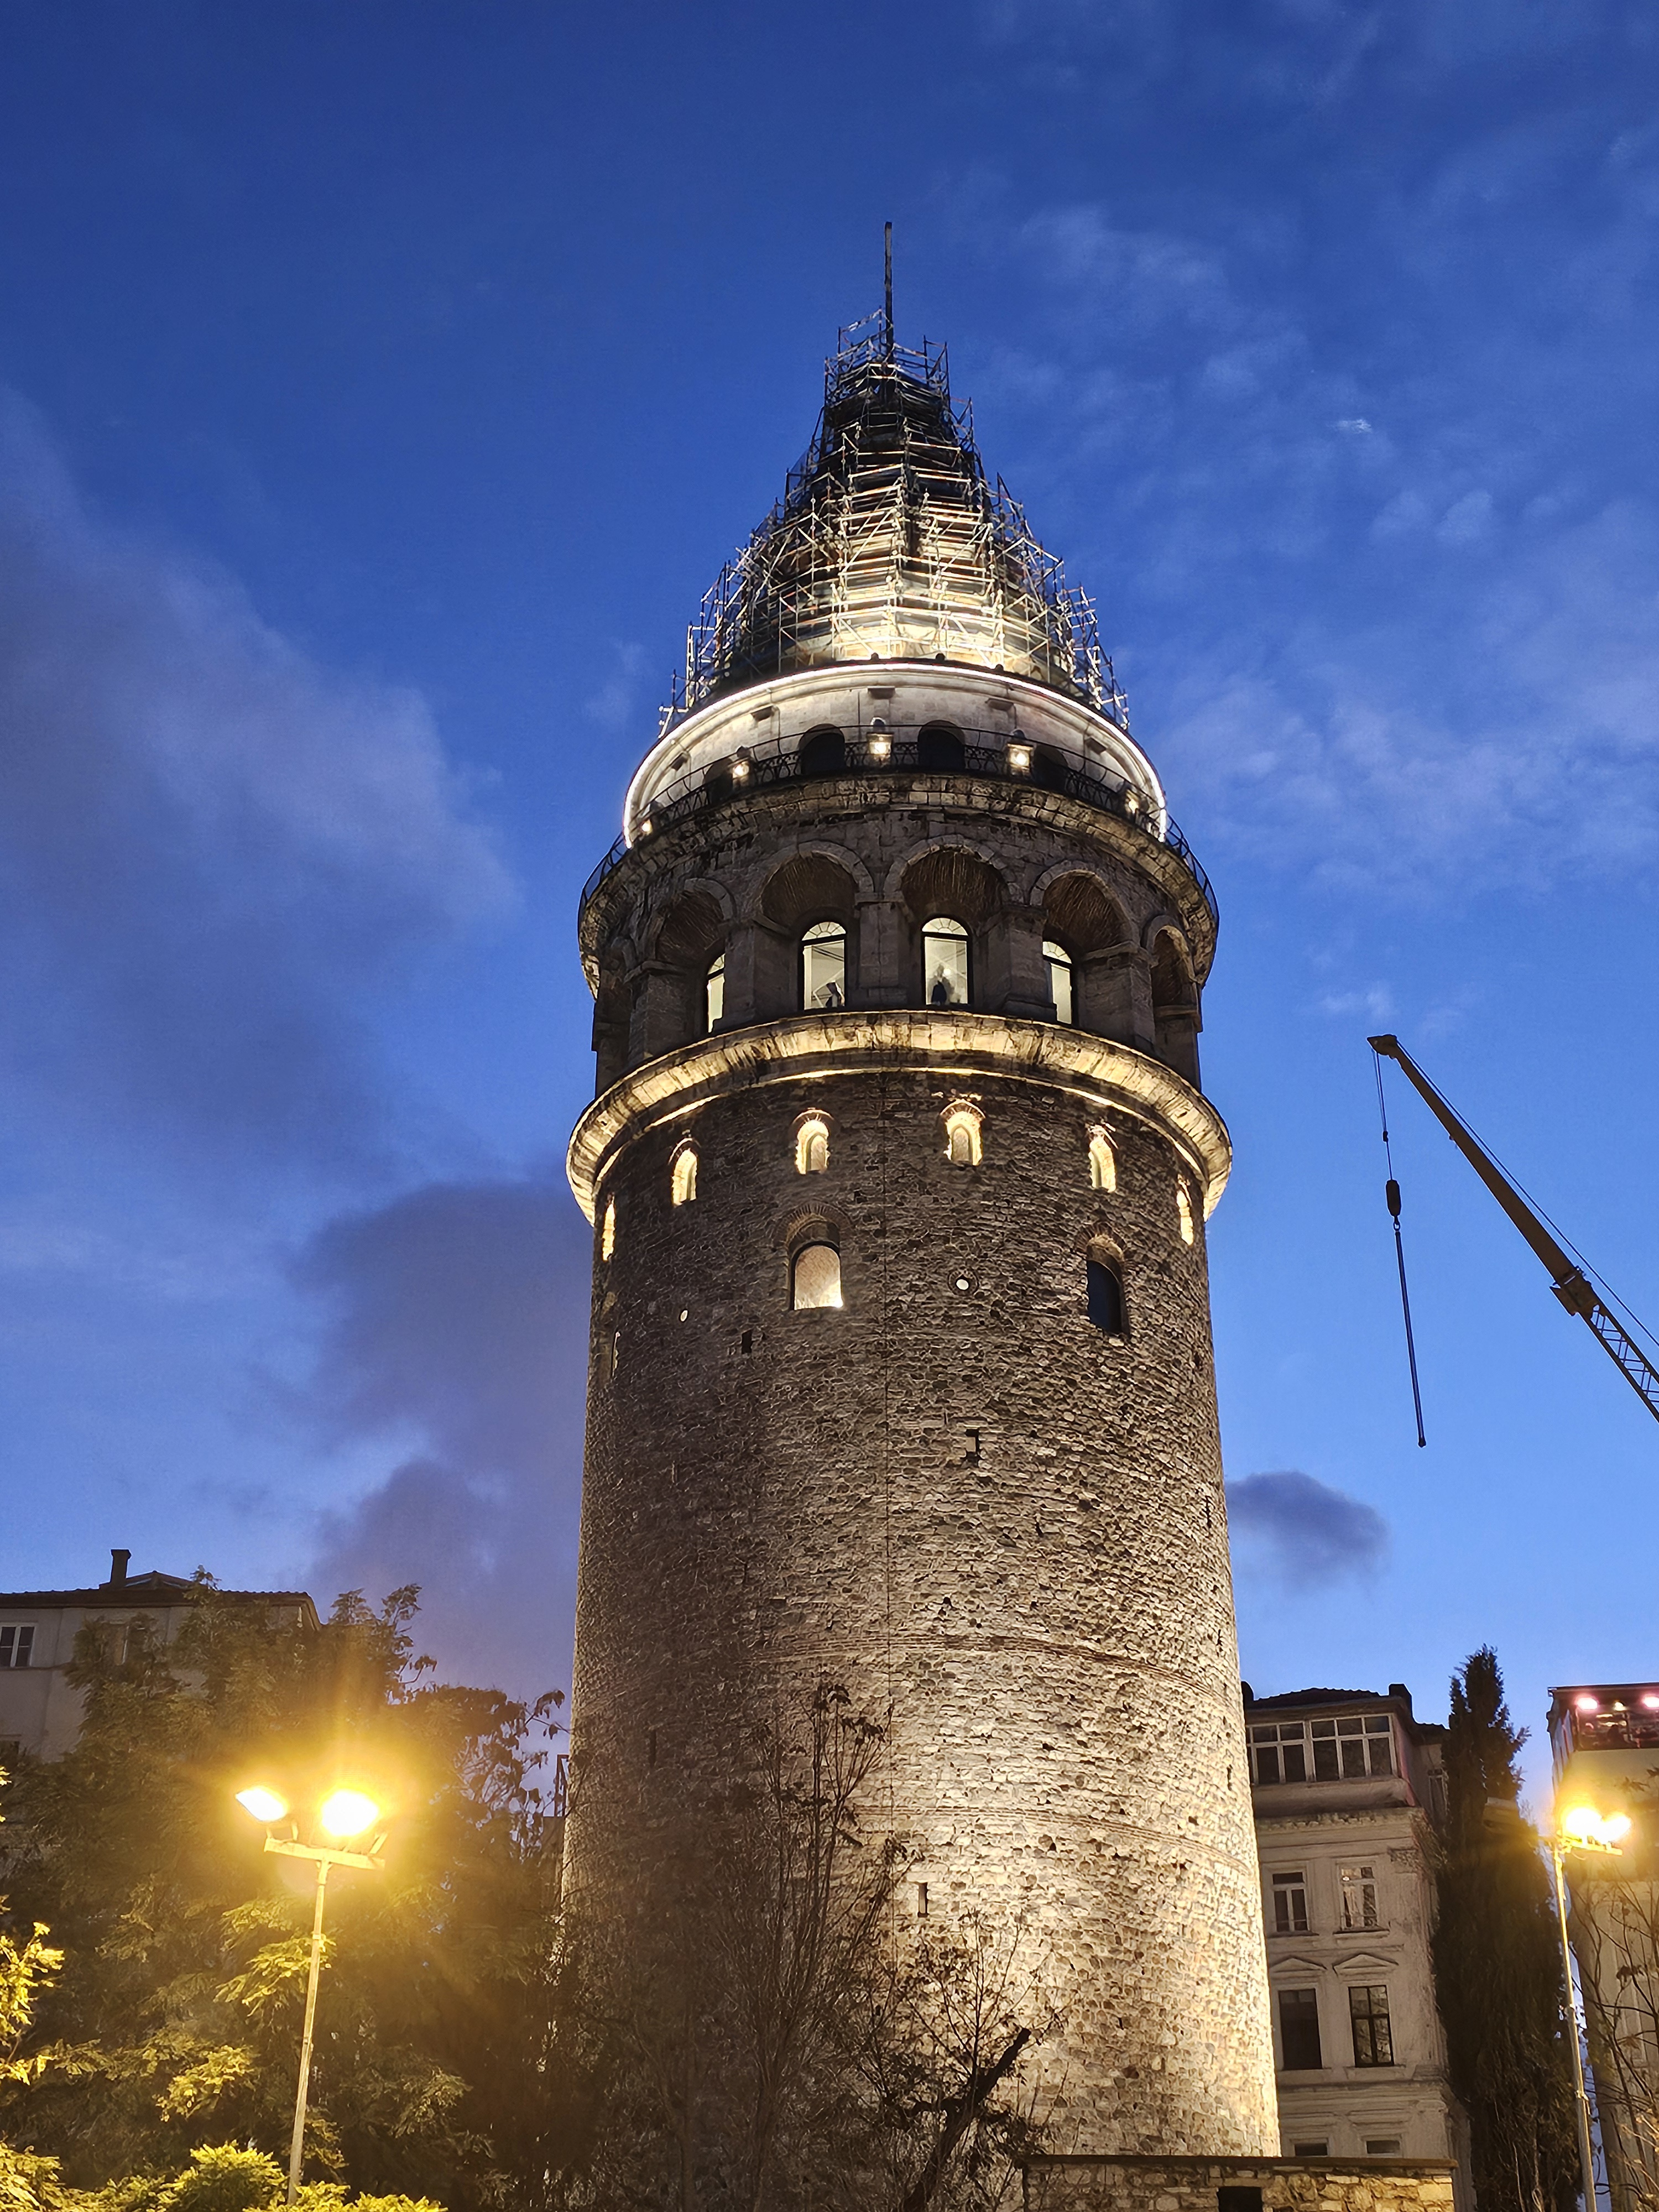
[{"x": 380, "y": 386}]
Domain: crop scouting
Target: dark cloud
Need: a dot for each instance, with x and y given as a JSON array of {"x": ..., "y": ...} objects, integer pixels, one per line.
[
  {"x": 456, "y": 1318},
  {"x": 211, "y": 846},
  {"x": 1300, "y": 1529}
]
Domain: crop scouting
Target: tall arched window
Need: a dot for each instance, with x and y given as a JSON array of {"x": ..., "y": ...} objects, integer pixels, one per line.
[
  {"x": 683, "y": 1188},
  {"x": 823, "y": 967},
  {"x": 944, "y": 963},
  {"x": 1102, "y": 1161},
  {"x": 1184, "y": 1212},
  {"x": 822, "y": 752},
  {"x": 962, "y": 1126},
  {"x": 812, "y": 1146},
  {"x": 713, "y": 992},
  {"x": 1106, "y": 1308},
  {"x": 608, "y": 1230},
  {"x": 939, "y": 747},
  {"x": 814, "y": 1277},
  {"x": 1058, "y": 961}
]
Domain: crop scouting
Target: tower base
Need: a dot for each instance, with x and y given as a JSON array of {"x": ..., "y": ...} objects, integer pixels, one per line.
[{"x": 1236, "y": 2184}]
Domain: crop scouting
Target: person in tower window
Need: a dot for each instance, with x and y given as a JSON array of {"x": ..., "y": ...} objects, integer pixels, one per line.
[
  {"x": 940, "y": 993},
  {"x": 831, "y": 997}
]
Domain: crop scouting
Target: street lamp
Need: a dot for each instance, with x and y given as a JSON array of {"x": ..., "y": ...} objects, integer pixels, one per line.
[
  {"x": 1581, "y": 1829},
  {"x": 344, "y": 1814}
]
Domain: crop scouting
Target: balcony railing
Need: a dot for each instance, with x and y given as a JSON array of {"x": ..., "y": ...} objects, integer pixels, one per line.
[{"x": 986, "y": 756}]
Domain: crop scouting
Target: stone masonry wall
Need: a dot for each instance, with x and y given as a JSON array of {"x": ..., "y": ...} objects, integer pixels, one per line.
[
  {"x": 1201, "y": 2184},
  {"x": 968, "y": 1505}
]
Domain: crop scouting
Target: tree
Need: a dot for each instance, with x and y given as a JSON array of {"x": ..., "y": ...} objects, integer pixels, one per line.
[
  {"x": 790, "y": 2045},
  {"x": 1497, "y": 1964},
  {"x": 1615, "y": 1934},
  {"x": 175, "y": 2021}
]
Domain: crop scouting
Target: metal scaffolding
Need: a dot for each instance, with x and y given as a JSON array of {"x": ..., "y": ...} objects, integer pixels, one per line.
[{"x": 890, "y": 543}]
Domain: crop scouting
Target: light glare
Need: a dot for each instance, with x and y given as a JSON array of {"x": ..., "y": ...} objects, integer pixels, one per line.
[
  {"x": 264, "y": 1804},
  {"x": 348, "y": 1813}
]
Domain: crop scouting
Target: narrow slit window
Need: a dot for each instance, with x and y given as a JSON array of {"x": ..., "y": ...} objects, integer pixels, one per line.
[
  {"x": 823, "y": 967},
  {"x": 961, "y": 1136},
  {"x": 1184, "y": 1212},
  {"x": 1103, "y": 1162},
  {"x": 1058, "y": 961},
  {"x": 812, "y": 1147},
  {"x": 683, "y": 1187},
  {"x": 1106, "y": 1308},
  {"x": 713, "y": 993},
  {"x": 608, "y": 1230},
  {"x": 814, "y": 1277},
  {"x": 944, "y": 963}
]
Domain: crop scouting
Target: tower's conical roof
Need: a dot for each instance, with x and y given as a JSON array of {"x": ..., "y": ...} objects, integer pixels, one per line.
[{"x": 890, "y": 543}]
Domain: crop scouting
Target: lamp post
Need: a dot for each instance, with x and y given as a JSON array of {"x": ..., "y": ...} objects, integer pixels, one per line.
[
  {"x": 1583, "y": 1829},
  {"x": 344, "y": 1814}
]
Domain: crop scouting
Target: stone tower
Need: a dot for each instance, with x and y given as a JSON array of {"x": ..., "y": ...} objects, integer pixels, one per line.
[{"x": 899, "y": 1168}]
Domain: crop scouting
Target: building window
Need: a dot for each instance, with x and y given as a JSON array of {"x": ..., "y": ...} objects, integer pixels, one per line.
[
  {"x": 963, "y": 1127},
  {"x": 823, "y": 967},
  {"x": 1349, "y": 1749},
  {"x": 1106, "y": 1308},
  {"x": 1373, "y": 2043},
  {"x": 1360, "y": 1897},
  {"x": 1299, "y": 2030},
  {"x": 608, "y": 1230},
  {"x": 683, "y": 1185},
  {"x": 1382, "y": 2146},
  {"x": 939, "y": 748},
  {"x": 1279, "y": 1751},
  {"x": 1058, "y": 961},
  {"x": 814, "y": 1277},
  {"x": 16, "y": 1645},
  {"x": 822, "y": 752},
  {"x": 713, "y": 993},
  {"x": 944, "y": 963},
  {"x": 1289, "y": 1904},
  {"x": 1184, "y": 1212},
  {"x": 1310, "y": 2149},
  {"x": 812, "y": 1146},
  {"x": 1103, "y": 1162},
  {"x": 921, "y": 1901}
]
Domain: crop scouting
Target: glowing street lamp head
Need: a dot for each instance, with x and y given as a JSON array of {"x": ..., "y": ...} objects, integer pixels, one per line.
[
  {"x": 264, "y": 1804},
  {"x": 1586, "y": 1825},
  {"x": 348, "y": 1813}
]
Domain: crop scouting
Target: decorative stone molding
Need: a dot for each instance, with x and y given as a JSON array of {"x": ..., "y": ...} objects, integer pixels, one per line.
[{"x": 950, "y": 1042}]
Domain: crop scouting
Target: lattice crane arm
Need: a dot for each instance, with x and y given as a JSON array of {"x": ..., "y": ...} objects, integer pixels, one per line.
[{"x": 1567, "y": 1279}]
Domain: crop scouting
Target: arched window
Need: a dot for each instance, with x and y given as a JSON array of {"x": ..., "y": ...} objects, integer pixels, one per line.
[
  {"x": 814, "y": 1277},
  {"x": 812, "y": 1146},
  {"x": 822, "y": 752},
  {"x": 962, "y": 1126},
  {"x": 1184, "y": 1212},
  {"x": 683, "y": 1185},
  {"x": 944, "y": 963},
  {"x": 1106, "y": 1309},
  {"x": 939, "y": 747},
  {"x": 1058, "y": 961},
  {"x": 1103, "y": 1162},
  {"x": 608, "y": 1230},
  {"x": 713, "y": 992},
  {"x": 823, "y": 967},
  {"x": 1047, "y": 768}
]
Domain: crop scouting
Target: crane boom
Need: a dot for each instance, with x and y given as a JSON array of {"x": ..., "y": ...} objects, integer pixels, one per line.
[{"x": 1567, "y": 1279}]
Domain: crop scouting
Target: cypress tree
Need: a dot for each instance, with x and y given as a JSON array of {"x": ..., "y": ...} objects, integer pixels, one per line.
[{"x": 1497, "y": 1964}]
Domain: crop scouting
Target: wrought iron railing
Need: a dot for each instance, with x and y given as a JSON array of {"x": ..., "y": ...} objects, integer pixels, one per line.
[{"x": 986, "y": 757}]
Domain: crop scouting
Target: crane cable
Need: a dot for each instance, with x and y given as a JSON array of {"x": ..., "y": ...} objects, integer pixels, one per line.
[{"x": 1392, "y": 1193}]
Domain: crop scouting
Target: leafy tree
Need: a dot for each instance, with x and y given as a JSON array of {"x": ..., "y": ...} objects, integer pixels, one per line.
[
  {"x": 175, "y": 2022},
  {"x": 1497, "y": 1964}
]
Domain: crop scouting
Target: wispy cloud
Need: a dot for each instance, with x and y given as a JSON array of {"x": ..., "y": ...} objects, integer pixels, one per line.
[
  {"x": 212, "y": 847},
  {"x": 1302, "y": 1533},
  {"x": 454, "y": 1328}
]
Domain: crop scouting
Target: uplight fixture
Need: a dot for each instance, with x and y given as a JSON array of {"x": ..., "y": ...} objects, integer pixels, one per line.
[
  {"x": 1019, "y": 759},
  {"x": 880, "y": 743}
]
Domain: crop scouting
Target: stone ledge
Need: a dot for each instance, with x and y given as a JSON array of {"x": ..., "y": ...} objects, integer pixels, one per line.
[
  {"x": 1142, "y": 2183},
  {"x": 961, "y": 1043}
]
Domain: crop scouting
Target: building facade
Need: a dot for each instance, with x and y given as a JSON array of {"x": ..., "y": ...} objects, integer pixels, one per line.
[
  {"x": 1604, "y": 1743},
  {"x": 899, "y": 1170},
  {"x": 1349, "y": 1788},
  {"x": 40, "y": 1708}
]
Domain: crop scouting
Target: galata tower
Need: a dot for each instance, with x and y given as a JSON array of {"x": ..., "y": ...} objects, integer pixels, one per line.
[{"x": 899, "y": 1168}]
